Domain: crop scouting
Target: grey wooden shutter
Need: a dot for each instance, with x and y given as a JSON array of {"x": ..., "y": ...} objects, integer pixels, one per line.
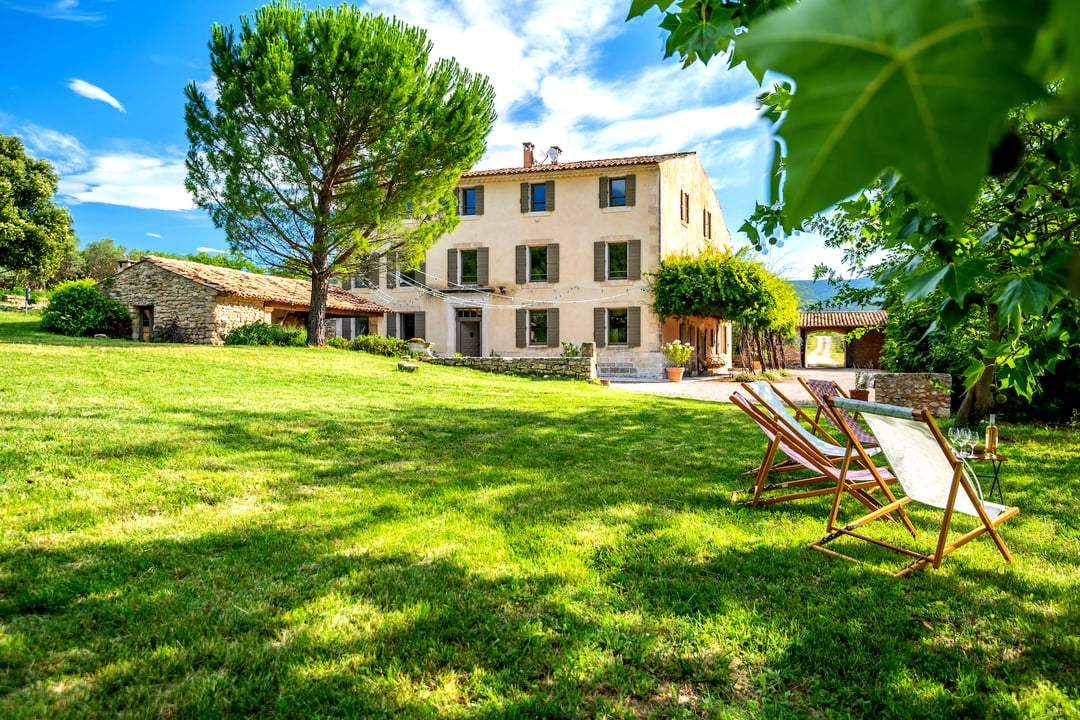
[
  {"x": 521, "y": 270},
  {"x": 457, "y": 198},
  {"x": 482, "y": 266},
  {"x": 421, "y": 273},
  {"x": 605, "y": 188},
  {"x": 553, "y": 262},
  {"x": 480, "y": 200},
  {"x": 553, "y": 327},
  {"x": 452, "y": 268},
  {"x": 524, "y": 197},
  {"x": 600, "y": 326},
  {"x": 346, "y": 328},
  {"x": 633, "y": 327},
  {"x": 631, "y": 190},
  {"x": 391, "y": 325},
  {"x": 522, "y": 328},
  {"x": 391, "y": 270},
  {"x": 549, "y": 203},
  {"x": 633, "y": 260},
  {"x": 599, "y": 261},
  {"x": 373, "y": 271},
  {"x": 420, "y": 325}
]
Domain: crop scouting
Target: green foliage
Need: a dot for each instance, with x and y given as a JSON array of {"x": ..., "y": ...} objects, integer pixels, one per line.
[
  {"x": 731, "y": 286},
  {"x": 677, "y": 352},
  {"x": 377, "y": 345},
  {"x": 330, "y": 128},
  {"x": 101, "y": 258},
  {"x": 569, "y": 349},
  {"x": 338, "y": 343},
  {"x": 169, "y": 332},
  {"x": 35, "y": 233},
  {"x": 78, "y": 308},
  {"x": 260, "y": 333}
]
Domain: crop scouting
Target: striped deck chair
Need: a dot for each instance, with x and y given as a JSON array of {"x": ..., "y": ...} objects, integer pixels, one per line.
[
  {"x": 792, "y": 417},
  {"x": 928, "y": 472},
  {"x": 858, "y": 483},
  {"x": 835, "y": 416}
]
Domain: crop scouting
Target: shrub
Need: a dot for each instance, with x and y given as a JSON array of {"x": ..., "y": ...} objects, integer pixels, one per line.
[
  {"x": 745, "y": 377},
  {"x": 376, "y": 345},
  {"x": 170, "y": 332},
  {"x": 78, "y": 308},
  {"x": 338, "y": 342},
  {"x": 260, "y": 333}
]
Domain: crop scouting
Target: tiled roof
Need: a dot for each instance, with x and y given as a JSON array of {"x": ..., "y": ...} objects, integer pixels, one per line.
[
  {"x": 579, "y": 165},
  {"x": 858, "y": 319},
  {"x": 270, "y": 288}
]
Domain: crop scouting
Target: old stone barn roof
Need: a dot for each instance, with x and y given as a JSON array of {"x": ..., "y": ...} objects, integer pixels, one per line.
[
  {"x": 283, "y": 292},
  {"x": 841, "y": 320}
]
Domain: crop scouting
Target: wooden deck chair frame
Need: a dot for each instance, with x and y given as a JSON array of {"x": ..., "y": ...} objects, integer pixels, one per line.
[
  {"x": 836, "y": 417},
  {"x": 858, "y": 483},
  {"x": 827, "y": 446},
  {"x": 959, "y": 483}
]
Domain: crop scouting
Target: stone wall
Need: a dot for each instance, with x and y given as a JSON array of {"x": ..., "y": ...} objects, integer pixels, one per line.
[
  {"x": 932, "y": 391},
  {"x": 623, "y": 362},
  {"x": 232, "y": 311},
  {"x": 579, "y": 368}
]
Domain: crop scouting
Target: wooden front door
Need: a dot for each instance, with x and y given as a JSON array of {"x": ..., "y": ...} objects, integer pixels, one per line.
[
  {"x": 146, "y": 322},
  {"x": 469, "y": 338}
]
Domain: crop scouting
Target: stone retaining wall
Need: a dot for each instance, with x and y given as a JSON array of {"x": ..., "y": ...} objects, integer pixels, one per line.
[
  {"x": 932, "y": 391},
  {"x": 580, "y": 368}
]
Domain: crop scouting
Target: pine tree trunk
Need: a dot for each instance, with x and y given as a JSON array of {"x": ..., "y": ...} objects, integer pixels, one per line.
[{"x": 316, "y": 319}]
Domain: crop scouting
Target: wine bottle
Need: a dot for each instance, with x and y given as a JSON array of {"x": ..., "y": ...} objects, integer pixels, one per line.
[{"x": 991, "y": 437}]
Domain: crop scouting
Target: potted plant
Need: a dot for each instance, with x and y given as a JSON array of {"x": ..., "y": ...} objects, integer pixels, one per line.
[
  {"x": 677, "y": 354},
  {"x": 863, "y": 380}
]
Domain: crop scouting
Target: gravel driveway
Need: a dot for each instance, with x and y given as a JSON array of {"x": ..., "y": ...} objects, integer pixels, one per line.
[{"x": 719, "y": 389}]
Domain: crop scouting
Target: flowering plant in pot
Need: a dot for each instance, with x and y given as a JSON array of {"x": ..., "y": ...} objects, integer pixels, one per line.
[
  {"x": 863, "y": 381},
  {"x": 677, "y": 354}
]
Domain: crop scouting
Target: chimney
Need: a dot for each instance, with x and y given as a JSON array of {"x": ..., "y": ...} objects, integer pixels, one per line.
[
  {"x": 124, "y": 264},
  {"x": 528, "y": 147}
]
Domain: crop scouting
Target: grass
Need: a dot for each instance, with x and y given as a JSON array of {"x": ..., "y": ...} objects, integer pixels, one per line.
[{"x": 195, "y": 532}]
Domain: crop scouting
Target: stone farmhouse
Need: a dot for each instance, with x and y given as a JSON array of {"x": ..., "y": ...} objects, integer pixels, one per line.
[
  {"x": 206, "y": 302},
  {"x": 554, "y": 252}
]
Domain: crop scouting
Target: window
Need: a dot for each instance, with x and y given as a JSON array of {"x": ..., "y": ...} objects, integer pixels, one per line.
[
  {"x": 468, "y": 201},
  {"x": 538, "y": 327},
  {"x": 469, "y": 267},
  {"x": 617, "y": 198},
  {"x": 538, "y": 197},
  {"x": 617, "y": 327},
  {"x": 617, "y": 261},
  {"x": 706, "y": 222},
  {"x": 538, "y": 263},
  {"x": 408, "y": 325},
  {"x": 363, "y": 326},
  {"x": 405, "y": 325},
  {"x": 684, "y": 207},
  {"x": 414, "y": 278}
]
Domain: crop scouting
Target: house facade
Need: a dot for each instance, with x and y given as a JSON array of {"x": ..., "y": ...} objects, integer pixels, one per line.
[
  {"x": 556, "y": 252},
  {"x": 205, "y": 302}
]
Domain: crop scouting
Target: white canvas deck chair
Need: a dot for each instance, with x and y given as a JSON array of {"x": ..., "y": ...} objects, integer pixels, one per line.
[
  {"x": 801, "y": 453},
  {"x": 928, "y": 472},
  {"x": 792, "y": 417}
]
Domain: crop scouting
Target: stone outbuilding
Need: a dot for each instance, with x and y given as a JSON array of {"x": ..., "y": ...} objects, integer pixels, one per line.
[
  {"x": 204, "y": 303},
  {"x": 865, "y": 352}
]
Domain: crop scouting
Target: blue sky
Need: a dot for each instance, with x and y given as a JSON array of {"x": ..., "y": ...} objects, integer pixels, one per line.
[{"x": 96, "y": 86}]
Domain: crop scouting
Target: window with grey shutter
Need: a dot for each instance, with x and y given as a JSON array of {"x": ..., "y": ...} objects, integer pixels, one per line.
[
  {"x": 482, "y": 266},
  {"x": 633, "y": 329},
  {"x": 525, "y": 197},
  {"x": 631, "y": 190},
  {"x": 346, "y": 328},
  {"x": 457, "y": 199},
  {"x": 480, "y": 200},
  {"x": 604, "y": 187},
  {"x": 420, "y": 276},
  {"x": 599, "y": 261},
  {"x": 600, "y": 326},
  {"x": 391, "y": 325},
  {"x": 553, "y": 327},
  {"x": 521, "y": 254},
  {"x": 372, "y": 271},
  {"x": 420, "y": 327},
  {"x": 633, "y": 260},
  {"x": 553, "y": 263},
  {"x": 522, "y": 328},
  {"x": 391, "y": 270},
  {"x": 452, "y": 268},
  {"x": 549, "y": 202}
]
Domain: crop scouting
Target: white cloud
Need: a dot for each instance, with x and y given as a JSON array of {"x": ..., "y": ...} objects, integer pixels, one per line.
[
  {"x": 210, "y": 250},
  {"x": 61, "y": 10},
  {"x": 153, "y": 235},
  {"x": 93, "y": 92},
  {"x": 131, "y": 180},
  {"x": 209, "y": 88},
  {"x": 65, "y": 152}
]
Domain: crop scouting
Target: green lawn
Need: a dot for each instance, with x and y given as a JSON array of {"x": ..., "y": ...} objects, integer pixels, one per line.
[{"x": 191, "y": 532}]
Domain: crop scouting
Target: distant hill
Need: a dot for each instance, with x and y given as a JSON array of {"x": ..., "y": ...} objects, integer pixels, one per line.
[{"x": 814, "y": 291}]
